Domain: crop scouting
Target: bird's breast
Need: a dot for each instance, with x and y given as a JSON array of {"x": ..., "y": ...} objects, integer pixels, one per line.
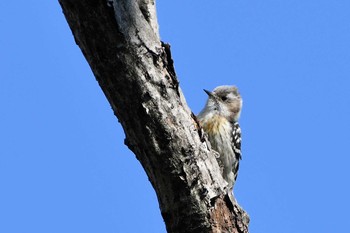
[{"x": 214, "y": 124}]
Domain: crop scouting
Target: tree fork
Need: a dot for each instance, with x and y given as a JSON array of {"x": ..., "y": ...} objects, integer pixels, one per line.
[{"x": 120, "y": 41}]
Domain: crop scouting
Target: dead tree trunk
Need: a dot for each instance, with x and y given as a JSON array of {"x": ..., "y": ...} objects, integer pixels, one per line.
[{"x": 120, "y": 40}]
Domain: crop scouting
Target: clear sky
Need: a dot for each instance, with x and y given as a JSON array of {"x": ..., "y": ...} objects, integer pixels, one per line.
[{"x": 63, "y": 164}]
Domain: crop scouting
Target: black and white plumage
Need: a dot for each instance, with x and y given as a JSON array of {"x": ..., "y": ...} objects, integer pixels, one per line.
[
  {"x": 219, "y": 120},
  {"x": 236, "y": 145}
]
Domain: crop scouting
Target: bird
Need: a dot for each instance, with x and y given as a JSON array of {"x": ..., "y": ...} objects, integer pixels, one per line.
[{"x": 219, "y": 120}]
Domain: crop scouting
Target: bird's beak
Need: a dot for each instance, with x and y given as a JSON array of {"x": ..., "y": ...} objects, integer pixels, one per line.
[{"x": 209, "y": 93}]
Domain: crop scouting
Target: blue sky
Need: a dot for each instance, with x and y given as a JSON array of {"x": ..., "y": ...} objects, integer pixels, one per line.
[{"x": 63, "y": 164}]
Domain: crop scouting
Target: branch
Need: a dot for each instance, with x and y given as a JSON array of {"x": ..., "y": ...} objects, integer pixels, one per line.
[{"x": 120, "y": 41}]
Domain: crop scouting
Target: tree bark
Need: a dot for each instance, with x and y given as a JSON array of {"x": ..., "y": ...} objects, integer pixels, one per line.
[{"x": 120, "y": 41}]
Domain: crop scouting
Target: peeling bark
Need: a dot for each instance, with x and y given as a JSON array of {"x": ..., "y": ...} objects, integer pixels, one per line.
[{"x": 120, "y": 41}]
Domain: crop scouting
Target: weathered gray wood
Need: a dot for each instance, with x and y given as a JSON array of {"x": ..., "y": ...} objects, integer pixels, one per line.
[{"x": 120, "y": 41}]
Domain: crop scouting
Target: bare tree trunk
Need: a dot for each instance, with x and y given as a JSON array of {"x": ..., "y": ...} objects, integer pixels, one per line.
[{"x": 120, "y": 40}]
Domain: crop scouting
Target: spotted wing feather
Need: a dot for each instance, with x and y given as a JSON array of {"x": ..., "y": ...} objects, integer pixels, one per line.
[{"x": 236, "y": 146}]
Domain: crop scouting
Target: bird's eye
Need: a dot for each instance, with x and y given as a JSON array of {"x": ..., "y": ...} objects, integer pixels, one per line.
[{"x": 223, "y": 98}]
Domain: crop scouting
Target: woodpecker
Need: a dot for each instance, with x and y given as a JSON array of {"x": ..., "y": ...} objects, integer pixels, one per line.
[{"x": 219, "y": 120}]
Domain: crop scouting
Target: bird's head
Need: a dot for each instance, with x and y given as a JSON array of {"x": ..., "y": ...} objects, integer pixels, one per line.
[{"x": 226, "y": 101}]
